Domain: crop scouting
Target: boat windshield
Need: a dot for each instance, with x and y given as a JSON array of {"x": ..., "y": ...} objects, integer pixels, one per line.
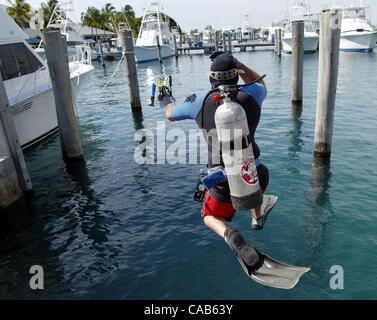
[
  {"x": 354, "y": 13},
  {"x": 16, "y": 60}
]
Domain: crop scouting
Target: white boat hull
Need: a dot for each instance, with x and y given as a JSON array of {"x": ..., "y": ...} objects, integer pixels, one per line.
[
  {"x": 35, "y": 118},
  {"x": 79, "y": 72},
  {"x": 358, "y": 41},
  {"x": 150, "y": 53},
  {"x": 310, "y": 44}
]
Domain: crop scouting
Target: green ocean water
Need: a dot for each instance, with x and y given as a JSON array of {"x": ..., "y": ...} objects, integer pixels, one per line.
[{"x": 113, "y": 229}]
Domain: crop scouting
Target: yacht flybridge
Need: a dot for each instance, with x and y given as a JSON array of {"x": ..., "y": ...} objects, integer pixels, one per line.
[
  {"x": 154, "y": 24},
  {"x": 28, "y": 85},
  {"x": 246, "y": 30},
  {"x": 59, "y": 20}
]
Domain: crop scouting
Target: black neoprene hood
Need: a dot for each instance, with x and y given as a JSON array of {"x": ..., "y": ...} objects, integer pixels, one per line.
[{"x": 223, "y": 62}]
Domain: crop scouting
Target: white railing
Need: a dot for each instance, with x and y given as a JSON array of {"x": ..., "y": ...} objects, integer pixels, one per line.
[{"x": 83, "y": 54}]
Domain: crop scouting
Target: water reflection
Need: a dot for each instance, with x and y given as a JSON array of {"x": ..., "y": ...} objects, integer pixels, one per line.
[
  {"x": 21, "y": 247},
  {"x": 318, "y": 217},
  {"x": 295, "y": 146},
  {"x": 294, "y": 135},
  {"x": 15, "y": 218},
  {"x": 137, "y": 116},
  {"x": 88, "y": 208}
]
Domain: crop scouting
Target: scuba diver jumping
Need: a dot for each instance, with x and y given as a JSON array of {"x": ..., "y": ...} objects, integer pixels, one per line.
[{"x": 235, "y": 178}]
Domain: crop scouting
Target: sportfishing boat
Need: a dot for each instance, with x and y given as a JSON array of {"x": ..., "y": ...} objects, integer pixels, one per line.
[
  {"x": 209, "y": 36},
  {"x": 175, "y": 32},
  {"x": 154, "y": 24},
  {"x": 311, "y": 37},
  {"x": 27, "y": 82},
  {"x": 357, "y": 35},
  {"x": 246, "y": 30}
]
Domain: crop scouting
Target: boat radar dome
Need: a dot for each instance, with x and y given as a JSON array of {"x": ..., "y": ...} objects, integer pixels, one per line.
[{"x": 223, "y": 71}]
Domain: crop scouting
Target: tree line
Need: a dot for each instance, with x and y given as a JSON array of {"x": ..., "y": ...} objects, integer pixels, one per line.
[{"x": 106, "y": 18}]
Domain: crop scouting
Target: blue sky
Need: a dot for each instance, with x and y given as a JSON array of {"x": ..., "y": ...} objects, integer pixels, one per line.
[{"x": 192, "y": 14}]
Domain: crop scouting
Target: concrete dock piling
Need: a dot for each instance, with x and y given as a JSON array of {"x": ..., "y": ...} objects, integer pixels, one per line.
[
  {"x": 133, "y": 82},
  {"x": 330, "y": 23},
  {"x": 10, "y": 189},
  {"x": 14, "y": 176},
  {"x": 57, "y": 60},
  {"x": 298, "y": 31}
]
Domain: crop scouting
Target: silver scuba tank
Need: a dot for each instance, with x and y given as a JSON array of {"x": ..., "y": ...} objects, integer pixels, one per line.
[{"x": 237, "y": 153}]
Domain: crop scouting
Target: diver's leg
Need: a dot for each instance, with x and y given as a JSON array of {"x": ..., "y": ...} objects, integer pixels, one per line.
[
  {"x": 216, "y": 214},
  {"x": 216, "y": 224},
  {"x": 257, "y": 212},
  {"x": 257, "y": 223}
]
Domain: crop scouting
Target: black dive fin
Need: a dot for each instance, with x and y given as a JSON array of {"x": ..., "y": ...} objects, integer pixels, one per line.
[
  {"x": 262, "y": 268},
  {"x": 273, "y": 273}
]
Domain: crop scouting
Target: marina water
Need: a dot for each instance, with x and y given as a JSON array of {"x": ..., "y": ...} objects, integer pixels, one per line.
[{"x": 113, "y": 229}]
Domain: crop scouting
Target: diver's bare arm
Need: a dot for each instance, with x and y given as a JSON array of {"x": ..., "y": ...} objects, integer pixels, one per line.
[
  {"x": 168, "y": 112},
  {"x": 249, "y": 75}
]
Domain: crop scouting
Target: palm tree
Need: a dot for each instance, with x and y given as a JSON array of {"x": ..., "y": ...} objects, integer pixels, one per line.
[
  {"x": 135, "y": 26},
  {"x": 128, "y": 12},
  {"x": 92, "y": 18},
  {"x": 132, "y": 21},
  {"x": 117, "y": 18},
  {"x": 105, "y": 16},
  {"x": 19, "y": 11},
  {"x": 109, "y": 9}
]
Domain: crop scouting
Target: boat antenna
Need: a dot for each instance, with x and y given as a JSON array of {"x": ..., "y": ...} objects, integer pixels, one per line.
[{"x": 159, "y": 23}]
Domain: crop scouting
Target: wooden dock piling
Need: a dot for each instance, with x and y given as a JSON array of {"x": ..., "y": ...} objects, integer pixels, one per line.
[
  {"x": 14, "y": 176},
  {"x": 102, "y": 56},
  {"x": 159, "y": 49},
  {"x": 278, "y": 45},
  {"x": 216, "y": 41},
  {"x": 230, "y": 42},
  {"x": 224, "y": 42},
  {"x": 298, "y": 31},
  {"x": 175, "y": 47},
  {"x": 133, "y": 82},
  {"x": 331, "y": 20},
  {"x": 57, "y": 60}
]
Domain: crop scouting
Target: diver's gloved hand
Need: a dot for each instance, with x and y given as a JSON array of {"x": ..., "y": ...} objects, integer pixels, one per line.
[{"x": 214, "y": 55}]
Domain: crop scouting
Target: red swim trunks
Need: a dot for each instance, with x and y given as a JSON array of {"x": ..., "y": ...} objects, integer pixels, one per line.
[{"x": 211, "y": 207}]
